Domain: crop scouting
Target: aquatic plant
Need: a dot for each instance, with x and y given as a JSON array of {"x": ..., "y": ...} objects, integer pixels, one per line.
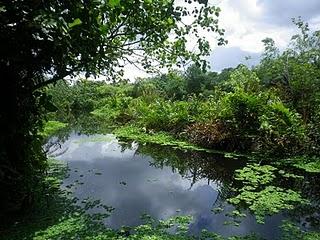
[
  {"x": 63, "y": 219},
  {"x": 260, "y": 195},
  {"x": 290, "y": 231}
]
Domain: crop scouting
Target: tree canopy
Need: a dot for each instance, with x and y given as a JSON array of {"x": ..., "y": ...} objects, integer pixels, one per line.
[
  {"x": 46, "y": 41},
  {"x": 49, "y": 40}
]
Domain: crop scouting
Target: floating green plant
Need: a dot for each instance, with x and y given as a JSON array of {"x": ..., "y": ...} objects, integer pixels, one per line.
[{"x": 259, "y": 194}]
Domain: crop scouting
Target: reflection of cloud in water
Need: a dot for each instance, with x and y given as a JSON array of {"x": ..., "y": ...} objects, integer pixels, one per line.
[
  {"x": 90, "y": 148},
  {"x": 158, "y": 192}
]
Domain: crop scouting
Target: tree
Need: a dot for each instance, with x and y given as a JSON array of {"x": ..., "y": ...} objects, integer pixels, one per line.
[
  {"x": 294, "y": 74},
  {"x": 171, "y": 85},
  {"x": 46, "y": 41},
  {"x": 195, "y": 79}
]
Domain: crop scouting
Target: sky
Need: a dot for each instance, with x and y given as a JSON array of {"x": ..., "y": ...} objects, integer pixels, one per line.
[{"x": 247, "y": 22}]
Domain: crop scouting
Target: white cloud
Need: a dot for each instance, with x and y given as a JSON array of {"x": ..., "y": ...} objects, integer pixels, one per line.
[
  {"x": 248, "y": 22},
  {"x": 245, "y": 30},
  {"x": 131, "y": 72}
]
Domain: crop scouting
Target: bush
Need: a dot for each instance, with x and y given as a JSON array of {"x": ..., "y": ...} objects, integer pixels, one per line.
[
  {"x": 164, "y": 115},
  {"x": 246, "y": 121},
  {"x": 114, "y": 109},
  {"x": 281, "y": 130},
  {"x": 216, "y": 135},
  {"x": 243, "y": 111}
]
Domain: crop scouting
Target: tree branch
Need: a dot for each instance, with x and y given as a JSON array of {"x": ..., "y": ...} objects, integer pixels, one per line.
[{"x": 52, "y": 80}]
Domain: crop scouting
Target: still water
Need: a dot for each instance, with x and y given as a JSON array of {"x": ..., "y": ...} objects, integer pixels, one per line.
[{"x": 160, "y": 181}]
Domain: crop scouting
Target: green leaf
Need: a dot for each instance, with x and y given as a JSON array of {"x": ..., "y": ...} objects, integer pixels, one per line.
[
  {"x": 170, "y": 21},
  {"x": 114, "y": 3},
  {"x": 76, "y": 22},
  {"x": 3, "y": 9}
]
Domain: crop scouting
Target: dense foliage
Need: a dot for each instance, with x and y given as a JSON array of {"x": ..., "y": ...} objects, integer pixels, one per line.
[
  {"x": 238, "y": 109},
  {"x": 46, "y": 41},
  {"x": 270, "y": 109}
]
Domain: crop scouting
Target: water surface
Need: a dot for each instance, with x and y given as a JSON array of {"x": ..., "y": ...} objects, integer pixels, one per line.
[{"x": 160, "y": 181}]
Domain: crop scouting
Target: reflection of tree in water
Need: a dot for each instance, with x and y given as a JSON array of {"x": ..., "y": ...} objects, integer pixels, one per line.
[
  {"x": 220, "y": 170},
  {"x": 53, "y": 144},
  {"x": 82, "y": 125},
  {"x": 195, "y": 165},
  {"x": 126, "y": 144},
  {"x": 307, "y": 216},
  {"x": 89, "y": 125},
  {"x": 53, "y": 148},
  {"x": 216, "y": 168}
]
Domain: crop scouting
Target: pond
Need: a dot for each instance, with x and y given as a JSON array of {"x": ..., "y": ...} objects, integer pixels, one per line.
[{"x": 156, "y": 180}]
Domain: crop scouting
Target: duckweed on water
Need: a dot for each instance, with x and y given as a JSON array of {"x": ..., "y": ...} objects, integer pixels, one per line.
[
  {"x": 260, "y": 196},
  {"x": 268, "y": 201},
  {"x": 162, "y": 138},
  {"x": 256, "y": 175},
  {"x": 60, "y": 216}
]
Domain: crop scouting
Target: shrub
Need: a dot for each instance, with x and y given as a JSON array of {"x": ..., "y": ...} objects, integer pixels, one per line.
[
  {"x": 281, "y": 129},
  {"x": 164, "y": 115},
  {"x": 313, "y": 132},
  {"x": 218, "y": 135},
  {"x": 212, "y": 135},
  {"x": 243, "y": 110},
  {"x": 114, "y": 109}
]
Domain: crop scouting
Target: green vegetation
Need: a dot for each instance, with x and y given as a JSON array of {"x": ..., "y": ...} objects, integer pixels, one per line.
[
  {"x": 51, "y": 128},
  {"x": 309, "y": 164},
  {"x": 313, "y": 166},
  {"x": 96, "y": 139},
  {"x": 291, "y": 232},
  {"x": 269, "y": 110},
  {"x": 162, "y": 138},
  {"x": 59, "y": 216},
  {"x": 259, "y": 194},
  {"x": 243, "y": 110},
  {"x": 44, "y": 42}
]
